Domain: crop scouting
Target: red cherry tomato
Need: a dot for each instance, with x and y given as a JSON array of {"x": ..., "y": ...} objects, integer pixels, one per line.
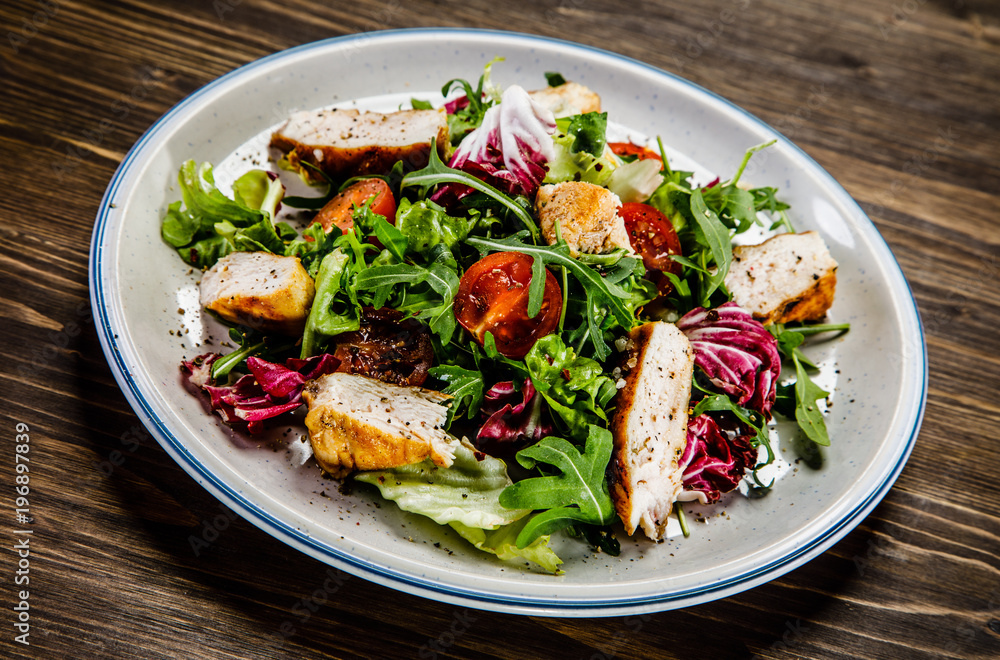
[
  {"x": 629, "y": 149},
  {"x": 652, "y": 235},
  {"x": 493, "y": 297},
  {"x": 337, "y": 212}
]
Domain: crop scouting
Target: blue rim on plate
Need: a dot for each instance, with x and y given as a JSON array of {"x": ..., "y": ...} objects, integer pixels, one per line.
[{"x": 108, "y": 326}]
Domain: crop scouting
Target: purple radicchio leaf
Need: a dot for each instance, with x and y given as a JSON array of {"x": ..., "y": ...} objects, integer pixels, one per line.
[
  {"x": 511, "y": 147},
  {"x": 514, "y": 419},
  {"x": 713, "y": 464},
  {"x": 736, "y": 352},
  {"x": 268, "y": 391},
  {"x": 453, "y": 106}
]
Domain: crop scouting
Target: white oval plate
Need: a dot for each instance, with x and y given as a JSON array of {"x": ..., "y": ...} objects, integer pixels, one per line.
[{"x": 136, "y": 279}]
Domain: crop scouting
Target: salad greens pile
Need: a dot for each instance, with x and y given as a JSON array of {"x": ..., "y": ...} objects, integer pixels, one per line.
[{"x": 550, "y": 409}]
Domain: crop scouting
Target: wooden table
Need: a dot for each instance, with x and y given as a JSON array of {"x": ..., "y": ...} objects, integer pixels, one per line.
[{"x": 909, "y": 124}]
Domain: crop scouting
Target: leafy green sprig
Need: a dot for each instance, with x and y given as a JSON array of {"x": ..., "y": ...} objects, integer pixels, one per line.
[
  {"x": 799, "y": 400},
  {"x": 706, "y": 219}
]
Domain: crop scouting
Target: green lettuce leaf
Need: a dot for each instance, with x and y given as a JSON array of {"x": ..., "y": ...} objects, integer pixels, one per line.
[
  {"x": 502, "y": 542},
  {"x": 467, "y": 493},
  {"x": 425, "y": 225},
  {"x": 589, "y": 132},
  {"x": 570, "y": 165},
  {"x": 575, "y": 388},
  {"x": 257, "y": 190},
  {"x": 328, "y": 316},
  {"x": 211, "y": 225}
]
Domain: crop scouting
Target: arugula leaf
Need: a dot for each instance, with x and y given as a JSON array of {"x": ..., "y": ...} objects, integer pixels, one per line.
[
  {"x": 251, "y": 342},
  {"x": 554, "y": 79},
  {"x": 798, "y": 400},
  {"x": 417, "y": 104},
  {"x": 464, "y": 385},
  {"x": 465, "y": 119},
  {"x": 746, "y": 159},
  {"x": 394, "y": 240},
  {"x": 753, "y": 419},
  {"x": 437, "y": 172},
  {"x": 311, "y": 253},
  {"x": 579, "y": 493},
  {"x": 807, "y": 413},
  {"x": 716, "y": 236},
  {"x": 600, "y": 538}
]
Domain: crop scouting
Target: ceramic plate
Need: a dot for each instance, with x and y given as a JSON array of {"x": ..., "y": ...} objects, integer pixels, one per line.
[{"x": 139, "y": 286}]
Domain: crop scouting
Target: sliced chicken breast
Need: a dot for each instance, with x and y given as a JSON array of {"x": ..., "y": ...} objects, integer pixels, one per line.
[
  {"x": 587, "y": 216},
  {"x": 567, "y": 99},
  {"x": 650, "y": 427},
  {"x": 349, "y": 143},
  {"x": 260, "y": 290},
  {"x": 359, "y": 423},
  {"x": 789, "y": 277}
]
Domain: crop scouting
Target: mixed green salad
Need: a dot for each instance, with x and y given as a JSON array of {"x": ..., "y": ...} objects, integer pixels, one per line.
[{"x": 441, "y": 277}]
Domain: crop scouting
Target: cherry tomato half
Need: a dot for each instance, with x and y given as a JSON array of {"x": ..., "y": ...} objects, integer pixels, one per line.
[
  {"x": 493, "y": 297},
  {"x": 629, "y": 149},
  {"x": 652, "y": 235},
  {"x": 337, "y": 212}
]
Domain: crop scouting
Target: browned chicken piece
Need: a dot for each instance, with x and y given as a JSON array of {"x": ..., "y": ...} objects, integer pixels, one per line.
[
  {"x": 349, "y": 143},
  {"x": 359, "y": 423},
  {"x": 789, "y": 277},
  {"x": 567, "y": 99},
  {"x": 260, "y": 290},
  {"x": 587, "y": 216},
  {"x": 650, "y": 427}
]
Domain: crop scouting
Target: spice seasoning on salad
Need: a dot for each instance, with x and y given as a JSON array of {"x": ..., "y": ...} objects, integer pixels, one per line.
[{"x": 496, "y": 269}]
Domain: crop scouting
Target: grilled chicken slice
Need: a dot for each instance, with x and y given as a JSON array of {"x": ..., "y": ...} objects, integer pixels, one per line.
[
  {"x": 260, "y": 290},
  {"x": 650, "y": 427},
  {"x": 587, "y": 216},
  {"x": 789, "y": 277},
  {"x": 567, "y": 99},
  {"x": 350, "y": 143},
  {"x": 358, "y": 423}
]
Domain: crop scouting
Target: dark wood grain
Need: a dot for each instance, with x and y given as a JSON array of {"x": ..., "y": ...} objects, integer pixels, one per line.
[{"x": 905, "y": 114}]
